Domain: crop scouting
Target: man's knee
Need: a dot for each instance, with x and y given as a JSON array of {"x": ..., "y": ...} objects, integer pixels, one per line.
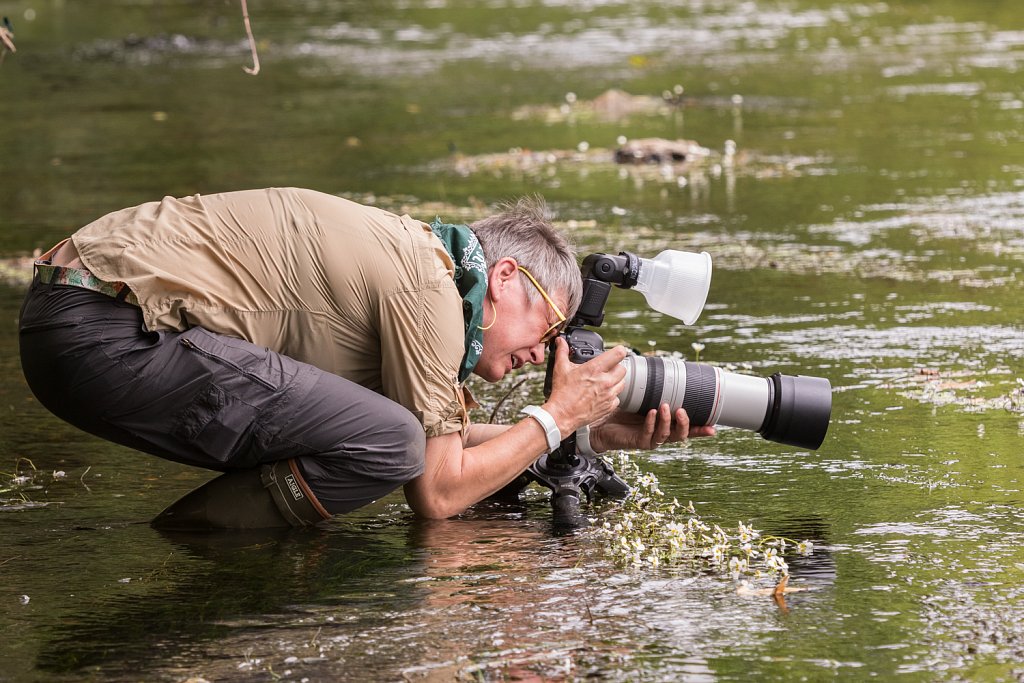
[
  {"x": 410, "y": 445},
  {"x": 359, "y": 471},
  {"x": 391, "y": 448}
]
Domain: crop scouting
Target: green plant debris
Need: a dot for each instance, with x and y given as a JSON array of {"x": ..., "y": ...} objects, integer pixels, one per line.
[{"x": 17, "y": 486}]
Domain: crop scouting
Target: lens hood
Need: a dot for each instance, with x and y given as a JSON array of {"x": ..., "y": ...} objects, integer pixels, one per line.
[{"x": 801, "y": 407}]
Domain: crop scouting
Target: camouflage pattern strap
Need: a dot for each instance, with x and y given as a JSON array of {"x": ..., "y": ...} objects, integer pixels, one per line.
[{"x": 80, "y": 277}]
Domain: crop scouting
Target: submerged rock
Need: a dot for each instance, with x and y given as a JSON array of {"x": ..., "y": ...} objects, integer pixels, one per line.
[{"x": 659, "y": 151}]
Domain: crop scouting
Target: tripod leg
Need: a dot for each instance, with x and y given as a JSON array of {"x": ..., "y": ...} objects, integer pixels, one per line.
[{"x": 565, "y": 503}]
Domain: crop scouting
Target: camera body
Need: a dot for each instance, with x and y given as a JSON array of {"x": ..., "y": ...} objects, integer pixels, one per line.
[{"x": 584, "y": 344}]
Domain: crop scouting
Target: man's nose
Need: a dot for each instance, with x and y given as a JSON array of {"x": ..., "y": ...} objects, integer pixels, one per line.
[{"x": 537, "y": 353}]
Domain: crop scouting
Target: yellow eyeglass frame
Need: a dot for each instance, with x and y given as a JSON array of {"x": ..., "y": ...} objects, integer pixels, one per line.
[{"x": 555, "y": 329}]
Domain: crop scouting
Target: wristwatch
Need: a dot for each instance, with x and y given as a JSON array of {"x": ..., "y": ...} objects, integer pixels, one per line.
[{"x": 543, "y": 417}]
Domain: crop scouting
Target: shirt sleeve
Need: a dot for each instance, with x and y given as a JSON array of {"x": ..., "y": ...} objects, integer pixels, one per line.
[{"x": 422, "y": 343}]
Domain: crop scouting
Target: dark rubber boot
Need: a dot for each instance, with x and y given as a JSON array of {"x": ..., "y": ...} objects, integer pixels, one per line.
[{"x": 273, "y": 495}]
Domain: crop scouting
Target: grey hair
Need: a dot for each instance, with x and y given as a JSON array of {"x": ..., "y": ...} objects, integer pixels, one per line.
[{"x": 523, "y": 231}]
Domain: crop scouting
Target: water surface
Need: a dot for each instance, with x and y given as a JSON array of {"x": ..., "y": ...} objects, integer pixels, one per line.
[{"x": 869, "y": 228}]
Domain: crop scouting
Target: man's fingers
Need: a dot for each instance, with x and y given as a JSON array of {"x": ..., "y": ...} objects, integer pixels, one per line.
[
  {"x": 610, "y": 358},
  {"x": 561, "y": 348},
  {"x": 662, "y": 425},
  {"x": 650, "y": 426}
]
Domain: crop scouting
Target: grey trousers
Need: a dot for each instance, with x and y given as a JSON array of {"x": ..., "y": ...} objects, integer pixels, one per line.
[{"x": 212, "y": 401}]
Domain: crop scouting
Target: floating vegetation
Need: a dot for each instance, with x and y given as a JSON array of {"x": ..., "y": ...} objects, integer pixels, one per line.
[
  {"x": 647, "y": 530},
  {"x": 991, "y": 223},
  {"x": 611, "y": 105},
  {"x": 662, "y": 161},
  {"x": 960, "y": 388},
  {"x": 16, "y": 486}
]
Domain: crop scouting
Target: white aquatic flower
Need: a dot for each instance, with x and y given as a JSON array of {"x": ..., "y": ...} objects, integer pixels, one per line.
[
  {"x": 718, "y": 554},
  {"x": 747, "y": 533},
  {"x": 695, "y": 525},
  {"x": 805, "y": 547},
  {"x": 774, "y": 561}
]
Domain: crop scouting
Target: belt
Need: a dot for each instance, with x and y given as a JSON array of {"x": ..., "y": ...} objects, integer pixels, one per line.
[{"x": 80, "y": 277}]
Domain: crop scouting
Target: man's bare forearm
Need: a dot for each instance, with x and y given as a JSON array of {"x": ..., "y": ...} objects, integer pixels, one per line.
[{"x": 477, "y": 433}]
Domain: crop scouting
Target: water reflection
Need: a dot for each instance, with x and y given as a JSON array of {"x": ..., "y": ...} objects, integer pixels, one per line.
[
  {"x": 207, "y": 586},
  {"x": 386, "y": 596}
]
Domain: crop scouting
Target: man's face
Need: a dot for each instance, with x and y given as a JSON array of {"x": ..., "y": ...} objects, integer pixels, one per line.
[{"x": 515, "y": 338}]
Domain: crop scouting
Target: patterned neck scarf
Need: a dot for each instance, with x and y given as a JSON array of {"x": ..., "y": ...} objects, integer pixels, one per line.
[{"x": 471, "y": 280}]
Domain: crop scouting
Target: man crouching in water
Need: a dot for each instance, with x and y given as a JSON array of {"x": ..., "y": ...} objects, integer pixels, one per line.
[{"x": 314, "y": 350}]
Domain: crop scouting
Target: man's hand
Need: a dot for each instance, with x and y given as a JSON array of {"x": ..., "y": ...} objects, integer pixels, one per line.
[
  {"x": 630, "y": 431},
  {"x": 585, "y": 393}
]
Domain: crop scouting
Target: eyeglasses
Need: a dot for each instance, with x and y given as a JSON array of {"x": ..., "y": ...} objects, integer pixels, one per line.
[{"x": 555, "y": 329}]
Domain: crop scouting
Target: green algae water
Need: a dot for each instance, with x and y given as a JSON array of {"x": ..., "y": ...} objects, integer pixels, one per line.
[{"x": 858, "y": 178}]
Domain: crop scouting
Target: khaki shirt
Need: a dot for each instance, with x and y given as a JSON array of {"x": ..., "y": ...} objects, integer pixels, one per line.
[{"x": 351, "y": 289}]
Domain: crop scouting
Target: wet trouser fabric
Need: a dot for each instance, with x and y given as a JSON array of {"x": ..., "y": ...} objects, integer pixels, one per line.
[{"x": 210, "y": 400}]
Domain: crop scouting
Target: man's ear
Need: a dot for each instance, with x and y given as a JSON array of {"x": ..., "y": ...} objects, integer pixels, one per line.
[{"x": 501, "y": 277}]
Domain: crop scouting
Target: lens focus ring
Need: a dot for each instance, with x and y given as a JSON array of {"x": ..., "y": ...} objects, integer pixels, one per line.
[
  {"x": 701, "y": 390},
  {"x": 655, "y": 383}
]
